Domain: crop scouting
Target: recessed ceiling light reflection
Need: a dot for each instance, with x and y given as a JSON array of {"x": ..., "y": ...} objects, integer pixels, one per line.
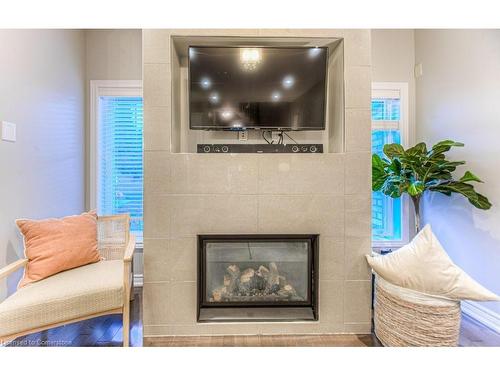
[
  {"x": 227, "y": 114},
  {"x": 205, "y": 83},
  {"x": 214, "y": 98},
  {"x": 313, "y": 52},
  {"x": 288, "y": 81},
  {"x": 237, "y": 125},
  {"x": 275, "y": 96}
]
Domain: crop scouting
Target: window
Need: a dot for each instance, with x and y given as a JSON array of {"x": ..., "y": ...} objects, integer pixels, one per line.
[
  {"x": 389, "y": 125},
  {"x": 117, "y": 149}
]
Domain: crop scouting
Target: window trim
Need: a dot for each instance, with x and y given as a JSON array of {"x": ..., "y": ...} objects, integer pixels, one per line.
[
  {"x": 401, "y": 89},
  {"x": 100, "y": 88}
]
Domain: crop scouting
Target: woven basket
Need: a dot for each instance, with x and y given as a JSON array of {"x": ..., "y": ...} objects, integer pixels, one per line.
[{"x": 405, "y": 317}]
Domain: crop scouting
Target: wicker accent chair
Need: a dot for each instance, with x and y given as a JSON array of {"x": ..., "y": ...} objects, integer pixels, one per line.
[{"x": 85, "y": 292}]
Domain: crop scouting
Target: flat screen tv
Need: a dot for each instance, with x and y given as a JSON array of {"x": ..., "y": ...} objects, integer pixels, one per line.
[{"x": 237, "y": 88}]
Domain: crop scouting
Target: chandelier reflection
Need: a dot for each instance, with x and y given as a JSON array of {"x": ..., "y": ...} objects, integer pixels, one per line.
[{"x": 250, "y": 58}]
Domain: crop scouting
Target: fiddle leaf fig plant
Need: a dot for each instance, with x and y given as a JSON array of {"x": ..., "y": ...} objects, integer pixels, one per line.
[{"x": 417, "y": 170}]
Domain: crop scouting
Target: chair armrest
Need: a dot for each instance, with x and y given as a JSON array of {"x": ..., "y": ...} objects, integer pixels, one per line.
[
  {"x": 129, "y": 250},
  {"x": 13, "y": 267}
]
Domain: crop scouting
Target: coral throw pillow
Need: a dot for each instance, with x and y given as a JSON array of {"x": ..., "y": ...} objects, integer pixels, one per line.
[
  {"x": 55, "y": 245},
  {"x": 423, "y": 265}
]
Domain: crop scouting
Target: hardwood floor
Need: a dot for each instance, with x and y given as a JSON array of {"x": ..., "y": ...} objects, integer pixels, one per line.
[{"x": 107, "y": 331}]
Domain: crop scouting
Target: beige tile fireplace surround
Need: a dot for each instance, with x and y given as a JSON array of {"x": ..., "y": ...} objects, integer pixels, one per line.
[{"x": 188, "y": 194}]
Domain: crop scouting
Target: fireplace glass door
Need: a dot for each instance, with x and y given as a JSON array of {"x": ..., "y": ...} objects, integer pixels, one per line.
[
  {"x": 258, "y": 271},
  {"x": 253, "y": 271}
]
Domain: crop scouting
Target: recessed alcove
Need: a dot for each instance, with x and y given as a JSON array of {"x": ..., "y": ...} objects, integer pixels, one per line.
[{"x": 184, "y": 140}]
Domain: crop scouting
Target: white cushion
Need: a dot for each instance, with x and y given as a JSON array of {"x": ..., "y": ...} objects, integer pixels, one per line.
[
  {"x": 424, "y": 266},
  {"x": 71, "y": 294}
]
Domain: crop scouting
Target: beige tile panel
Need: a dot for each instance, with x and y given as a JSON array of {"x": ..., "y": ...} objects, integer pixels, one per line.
[
  {"x": 157, "y": 215},
  {"x": 157, "y": 88},
  {"x": 156, "y": 46},
  {"x": 358, "y": 83},
  {"x": 157, "y": 168},
  {"x": 264, "y": 328},
  {"x": 213, "y": 174},
  {"x": 298, "y": 33},
  {"x": 214, "y": 32},
  {"x": 202, "y": 214},
  {"x": 301, "y": 174},
  {"x": 357, "y": 47},
  {"x": 331, "y": 301},
  {"x": 357, "y": 301},
  {"x": 356, "y": 267},
  {"x": 358, "y": 130},
  {"x": 182, "y": 304},
  {"x": 156, "y": 302},
  {"x": 358, "y": 328},
  {"x": 323, "y": 214},
  {"x": 358, "y": 173},
  {"x": 261, "y": 32},
  {"x": 170, "y": 260},
  {"x": 174, "y": 330},
  {"x": 358, "y": 215},
  {"x": 157, "y": 128},
  {"x": 331, "y": 258}
]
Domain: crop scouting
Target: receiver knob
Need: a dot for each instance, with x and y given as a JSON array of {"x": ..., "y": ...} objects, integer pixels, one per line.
[
  {"x": 295, "y": 149},
  {"x": 225, "y": 149},
  {"x": 206, "y": 148},
  {"x": 303, "y": 148},
  {"x": 313, "y": 149}
]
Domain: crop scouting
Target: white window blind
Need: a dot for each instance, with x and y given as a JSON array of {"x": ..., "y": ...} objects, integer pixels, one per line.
[{"x": 120, "y": 160}]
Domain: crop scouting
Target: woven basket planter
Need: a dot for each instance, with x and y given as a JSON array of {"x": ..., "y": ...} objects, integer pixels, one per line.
[{"x": 405, "y": 317}]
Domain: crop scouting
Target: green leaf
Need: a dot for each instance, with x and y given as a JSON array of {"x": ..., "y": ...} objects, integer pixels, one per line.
[
  {"x": 391, "y": 189},
  {"x": 445, "y": 175},
  {"x": 469, "y": 176},
  {"x": 378, "y": 172},
  {"x": 444, "y": 146},
  {"x": 418, "y": 149},
  {"x": 395, "y": 166},
  {"x": 393, "y": 149},
  {"x": 450, "y": 166},
  {"x": 416, "y": 188},
  {"x": 447, "y": 143},
  {"x": 467, "y": 190},
  {"x": 377, "y": 162},
  {"x": 482, "y": 202}
]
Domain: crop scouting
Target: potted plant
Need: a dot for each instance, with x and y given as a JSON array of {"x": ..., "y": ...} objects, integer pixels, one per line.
[{"x": 417, "y": 170}]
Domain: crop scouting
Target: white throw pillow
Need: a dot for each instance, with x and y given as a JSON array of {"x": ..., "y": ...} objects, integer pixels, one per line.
[{"x": 424, "y": 266}]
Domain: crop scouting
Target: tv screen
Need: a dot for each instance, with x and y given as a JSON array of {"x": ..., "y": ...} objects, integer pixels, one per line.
[{"x": 234, "y": 88}]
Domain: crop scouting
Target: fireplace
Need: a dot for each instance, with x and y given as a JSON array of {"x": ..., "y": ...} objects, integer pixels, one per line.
[{"x": 257, "y": 277}]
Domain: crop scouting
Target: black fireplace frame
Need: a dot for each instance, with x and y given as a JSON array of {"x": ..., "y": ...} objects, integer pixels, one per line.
[{"x": 244, "y": 311}]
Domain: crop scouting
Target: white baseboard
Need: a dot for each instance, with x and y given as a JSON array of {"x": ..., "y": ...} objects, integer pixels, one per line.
[
  {"x": 138, "y": 280},
  {"x": 483, "y": 315}
]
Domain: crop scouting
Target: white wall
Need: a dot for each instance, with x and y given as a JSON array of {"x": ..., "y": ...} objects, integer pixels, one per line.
[
  {"x": 393, "y": 60},
  {"x": 42, "y": 91},
  {"x": 114, "y": 54},
  {"x": 458, "y": 97}
]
